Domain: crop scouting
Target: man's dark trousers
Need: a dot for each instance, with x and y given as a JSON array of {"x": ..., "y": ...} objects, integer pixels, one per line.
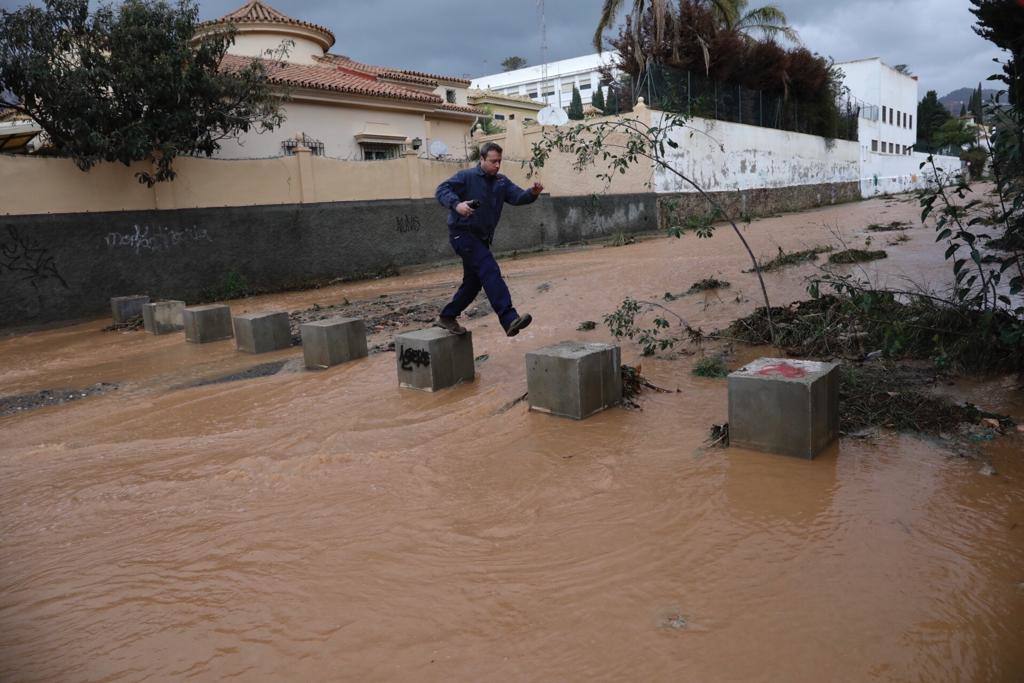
[{"x": 479, "y": 269}]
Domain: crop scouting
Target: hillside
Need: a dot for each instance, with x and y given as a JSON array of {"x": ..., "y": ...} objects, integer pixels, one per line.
[{"x": 953, "y": 100}]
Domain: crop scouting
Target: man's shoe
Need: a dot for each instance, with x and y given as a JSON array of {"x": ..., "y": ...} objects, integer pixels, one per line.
[
  {"x": 450, "y": 324},
  {"x": 520, "y": 323}
]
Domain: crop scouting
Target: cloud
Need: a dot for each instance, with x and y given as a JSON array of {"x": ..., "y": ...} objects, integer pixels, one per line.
[{"x": 456, "y": 37}]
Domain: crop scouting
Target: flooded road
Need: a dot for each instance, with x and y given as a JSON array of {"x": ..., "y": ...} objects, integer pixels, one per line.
[{"x": 328, "y": 525}]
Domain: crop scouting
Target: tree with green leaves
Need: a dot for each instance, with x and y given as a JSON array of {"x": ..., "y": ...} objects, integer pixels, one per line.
[
  {"x": 731, "y": 15},
  {"x": 576, "y": 106},
  {"x": 129, "y": 83},
  {"x": 612, "y": 102},
  {"x": 931, "y": 114},
  {"x": 975, "y": 106},
  {"x": 597, "y": 100},
  {"x": 963, "y": 110},
  {"x": 1002, "y": 23},
  {"x": 486, "y": 123},
  {"x": 622, "y": 142},
  {"x": 513, "y": 63},
  {"x": 954, "y": 134}
]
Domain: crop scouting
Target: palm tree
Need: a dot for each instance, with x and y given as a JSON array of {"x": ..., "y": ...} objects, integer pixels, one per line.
[
  {"x": 732, "y": 15},
  {"x": 769, "y": 21}
]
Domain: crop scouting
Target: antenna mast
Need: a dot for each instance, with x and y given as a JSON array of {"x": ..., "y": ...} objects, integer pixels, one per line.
[{"x": 543, "y": 50}]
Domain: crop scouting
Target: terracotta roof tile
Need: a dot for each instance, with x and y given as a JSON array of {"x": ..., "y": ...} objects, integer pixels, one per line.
[
  {"x": 257, "y": 11},
  {"x": 342, "y": 79},
  {"x": 381, "y": 71},
  {"x": 420, "y": 77},
  {"x": 448, "y": 106}
]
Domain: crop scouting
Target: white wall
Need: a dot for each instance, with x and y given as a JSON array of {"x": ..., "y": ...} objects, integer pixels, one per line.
[
  {"x": 581, "y": 72},
  {"x": 892, "y": 174},
  {"x": 336, "y": 127},
  {"x": 258, "y": 44},
  {"x": 719, "y": 155},
  {"x": 874, "y": 82}
]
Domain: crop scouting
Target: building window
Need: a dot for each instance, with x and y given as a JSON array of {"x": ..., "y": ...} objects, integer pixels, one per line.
[
  {"x": 892, "y": 148},
  {"x": 449, "y": 95},
  {"x": 911, "y": 124},
  {"x": 378, "y": 151},
  {"x": 584, "y": 85},
  {"x": 511, "y": 117},
  {"x": 885, "y": 114},
  {"x": 499, "y": 117},
  {"x": 874, "y": 145},
  {"x": 532, "y": 94},
  {"x": 315, "y": 146}
]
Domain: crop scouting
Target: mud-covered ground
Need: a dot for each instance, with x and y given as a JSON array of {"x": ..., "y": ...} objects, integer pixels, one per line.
[{"x": 222, "y": 515}]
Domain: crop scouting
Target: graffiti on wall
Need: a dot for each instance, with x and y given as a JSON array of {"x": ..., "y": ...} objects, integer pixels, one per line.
[
  {"x": 410, "y": 357},
  {"x": 407, "y": 224},
  {"x": 147, "y": 238},
  {"x": 27, "y": 259}
]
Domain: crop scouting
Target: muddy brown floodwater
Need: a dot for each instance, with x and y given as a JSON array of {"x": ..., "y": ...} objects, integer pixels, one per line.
[{"x": 327, "y": 525}]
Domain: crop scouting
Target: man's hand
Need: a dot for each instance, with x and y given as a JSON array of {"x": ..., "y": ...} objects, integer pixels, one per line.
[
  {"x": 464, "y": 209},
  {"x": 537, "y": 189}
]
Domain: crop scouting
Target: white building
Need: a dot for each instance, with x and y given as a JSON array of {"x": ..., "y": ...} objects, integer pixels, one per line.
[
  {"x": 887, "y": 129},
  {"x": 551, "y": 83},
  {"x": 337, "y": 106},
  {"x": 889, "y": 105}
]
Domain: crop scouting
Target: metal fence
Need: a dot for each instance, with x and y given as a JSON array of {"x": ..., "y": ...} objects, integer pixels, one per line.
[{"x": 689, "y": 93}]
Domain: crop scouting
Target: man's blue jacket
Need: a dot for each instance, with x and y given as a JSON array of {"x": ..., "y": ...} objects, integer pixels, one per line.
[{"x": 491, "y": 191}]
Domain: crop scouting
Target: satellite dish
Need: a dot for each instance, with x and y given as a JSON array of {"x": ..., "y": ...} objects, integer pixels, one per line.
[
  {"x": 437, "y": 148},
  {"x": 552, "y": 116}
]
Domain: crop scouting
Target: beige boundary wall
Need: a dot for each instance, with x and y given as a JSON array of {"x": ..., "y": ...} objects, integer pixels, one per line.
[
  {"x": 46, "y": 185},
  {"x": 41, "y": 185}
]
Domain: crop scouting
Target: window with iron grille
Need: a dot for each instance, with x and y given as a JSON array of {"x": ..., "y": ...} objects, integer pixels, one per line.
[
  {"x": 315, "y": 146},
  {"x": 379, "y": 151}
]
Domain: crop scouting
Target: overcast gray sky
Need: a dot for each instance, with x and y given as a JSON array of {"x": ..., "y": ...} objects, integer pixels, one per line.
[{"x": 456, "y": 37}]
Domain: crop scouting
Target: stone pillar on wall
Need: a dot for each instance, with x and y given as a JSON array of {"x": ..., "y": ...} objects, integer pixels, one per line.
[
  {"x": 514, "y": 143},
  {"x": 412, "y": 173},
  {"x": 307, "y": 186},
  {"x": 641, "y": 111}
]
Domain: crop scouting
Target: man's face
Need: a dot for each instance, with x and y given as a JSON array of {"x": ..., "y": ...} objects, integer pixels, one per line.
[{"x": 491, "y": 164}]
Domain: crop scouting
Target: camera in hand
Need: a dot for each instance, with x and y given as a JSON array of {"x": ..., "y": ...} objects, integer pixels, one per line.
[{"x": 474, "y": 203}]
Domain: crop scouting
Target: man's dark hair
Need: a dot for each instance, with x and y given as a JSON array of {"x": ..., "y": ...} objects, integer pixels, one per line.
[{"x": 489, "y": 147}]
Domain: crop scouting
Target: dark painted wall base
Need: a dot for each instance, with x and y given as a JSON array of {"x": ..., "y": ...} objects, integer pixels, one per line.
[
  {"x": 66, "y": 266},
  {"x": 673, "y": 209}
]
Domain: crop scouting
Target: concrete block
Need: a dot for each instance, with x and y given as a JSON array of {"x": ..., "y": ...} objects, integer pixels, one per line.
[
  {"x": 574, "y": 379},
  {"x": 434, "y": 359},
  {"x": 785, "y": 406},
  {"x": 207, "y": 323},
  {"x": 124, "y": 308},
  {"x": 163, "y": 317},
  {"x": 262, "y": 332},
  {"x": 333, "y": 341}
]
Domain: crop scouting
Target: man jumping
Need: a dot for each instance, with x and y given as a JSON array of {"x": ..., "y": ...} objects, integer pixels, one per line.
[{"x": 474, "y": 198}]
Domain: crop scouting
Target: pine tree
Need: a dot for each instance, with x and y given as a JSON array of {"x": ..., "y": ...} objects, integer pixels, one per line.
[
  {"x": 963, "y": 110},
  {"x": 576, "y": 106},
  {"x": 976, "y": 105},
  {"x": 597, "y": 100},
  {"x": 931, "y": 114},
  {"x": 612, "y": 103}
]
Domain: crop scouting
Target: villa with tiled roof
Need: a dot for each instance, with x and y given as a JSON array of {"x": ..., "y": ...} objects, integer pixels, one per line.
[{"x": 342, "y": 108}]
